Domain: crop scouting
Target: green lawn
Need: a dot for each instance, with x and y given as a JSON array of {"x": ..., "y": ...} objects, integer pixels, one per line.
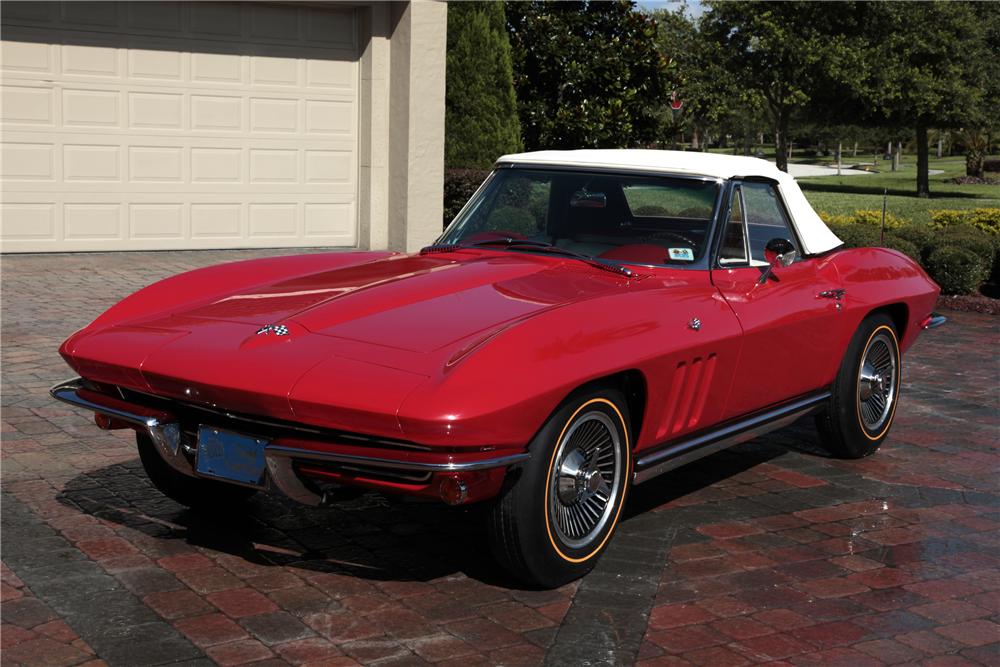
[{"x": 846, "y": 194}]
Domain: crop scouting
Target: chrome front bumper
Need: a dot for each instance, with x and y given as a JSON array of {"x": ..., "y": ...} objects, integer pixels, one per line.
[{"x": 165, "y": 431}]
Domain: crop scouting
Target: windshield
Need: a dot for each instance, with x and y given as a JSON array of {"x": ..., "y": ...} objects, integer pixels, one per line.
[{"x": 618, "y": 218}]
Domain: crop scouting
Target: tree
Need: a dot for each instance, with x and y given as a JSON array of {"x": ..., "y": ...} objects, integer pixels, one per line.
[
  {"x": 786, "y": 51},
  {"x": 934, "y": 65},
  {"x": 480, "y": 107},
  {"x": 587, "y": 74},
  {"x": 711, "y": 97}
]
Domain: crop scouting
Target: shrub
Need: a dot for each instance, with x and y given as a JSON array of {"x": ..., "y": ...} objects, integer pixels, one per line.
[
  {"x": 985, "y": 246},
  {"x": 956, "y": 270},
  {"x": 986, "y": 219},
  {"x": 481, "y": 121},
  {"x": 855, "y": 236},
  {"x": 867, "y": 217},
  {"x": 991, "y": 164},
  {"x": 459, "y": 186},
  {"x": 921, "y": 236},
  {"x": 904, "y": 246}
]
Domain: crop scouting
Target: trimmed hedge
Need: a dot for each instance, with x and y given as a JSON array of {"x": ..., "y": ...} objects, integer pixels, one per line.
[
  {"x": 974, "y": 232},
  {"x": 986, "y": 219},
  {"x": 957, "y": 270},
  {"x": 868, "y": 217}
]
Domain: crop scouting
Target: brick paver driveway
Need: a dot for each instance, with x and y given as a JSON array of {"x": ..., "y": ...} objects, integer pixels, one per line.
[{"x": 769, "y": 552}]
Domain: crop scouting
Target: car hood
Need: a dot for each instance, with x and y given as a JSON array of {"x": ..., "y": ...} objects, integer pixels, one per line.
[
  {"x": 345, "y": 346},
  {"x": 417, "y": 303}
]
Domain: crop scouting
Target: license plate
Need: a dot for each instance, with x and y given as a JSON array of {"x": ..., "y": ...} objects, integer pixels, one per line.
[{"x": 230, "y": 456}]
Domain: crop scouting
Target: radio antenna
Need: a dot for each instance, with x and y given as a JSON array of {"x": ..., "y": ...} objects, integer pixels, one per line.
[{"x": 885, "y": 198}]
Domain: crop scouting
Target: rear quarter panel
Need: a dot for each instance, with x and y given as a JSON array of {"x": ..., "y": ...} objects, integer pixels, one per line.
[{"x": 880, "y": 277}]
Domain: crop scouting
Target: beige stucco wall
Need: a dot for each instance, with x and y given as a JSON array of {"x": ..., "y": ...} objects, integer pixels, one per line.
[{"x": 416, "y": 123}]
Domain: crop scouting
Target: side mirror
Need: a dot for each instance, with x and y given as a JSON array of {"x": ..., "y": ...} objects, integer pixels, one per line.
[{"x": 779, "y": 253}]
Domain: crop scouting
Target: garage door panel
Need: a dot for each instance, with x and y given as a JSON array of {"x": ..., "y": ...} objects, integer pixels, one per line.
[
  {"x": 147, "y": 222},
  {"x": 33, "y": 57},
  {"x": 166, "y": 125}
]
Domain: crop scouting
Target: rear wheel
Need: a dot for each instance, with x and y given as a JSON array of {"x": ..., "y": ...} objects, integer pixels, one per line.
[
  {"x": 866, "y": 391},
  {"x": 556, "y": 514},
  {"x": 188, "y": 491}
]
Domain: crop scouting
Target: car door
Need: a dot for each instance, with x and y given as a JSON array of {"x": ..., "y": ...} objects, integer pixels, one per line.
[{"x": 791, "y": 320}]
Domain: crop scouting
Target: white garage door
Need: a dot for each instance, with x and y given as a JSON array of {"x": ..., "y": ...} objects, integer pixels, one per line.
[{"x": 158, "y": 125}]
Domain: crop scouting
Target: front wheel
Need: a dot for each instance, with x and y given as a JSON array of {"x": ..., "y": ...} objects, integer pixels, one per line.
[
  {"x": 865, "y": 393},
  {"x": 556, "y": 514}
]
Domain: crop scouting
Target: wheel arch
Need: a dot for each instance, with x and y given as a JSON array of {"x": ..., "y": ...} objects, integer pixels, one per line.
[
  {"x": 899, "y": 313},
  {"x": 632, "y": 383}
]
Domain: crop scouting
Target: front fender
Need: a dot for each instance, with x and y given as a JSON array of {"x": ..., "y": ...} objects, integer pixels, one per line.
[{"x": 501, "y": 393}]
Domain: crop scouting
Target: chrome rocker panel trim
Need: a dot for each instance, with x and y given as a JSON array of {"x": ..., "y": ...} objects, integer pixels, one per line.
[
  {"x": 165, "y": 433},
  {"x": 674, "y": 454}
]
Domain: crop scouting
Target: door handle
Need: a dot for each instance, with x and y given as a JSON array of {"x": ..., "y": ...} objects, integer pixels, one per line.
[{"x": 837, "y": 294}]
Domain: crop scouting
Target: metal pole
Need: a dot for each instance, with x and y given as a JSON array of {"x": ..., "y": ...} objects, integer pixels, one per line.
[{"x": 885, "y": 199}]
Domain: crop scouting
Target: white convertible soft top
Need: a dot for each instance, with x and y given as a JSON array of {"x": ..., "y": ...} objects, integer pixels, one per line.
[{"x": 813, "y": 232}]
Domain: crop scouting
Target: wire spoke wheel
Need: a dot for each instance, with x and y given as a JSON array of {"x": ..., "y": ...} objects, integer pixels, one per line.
[
  {"x": 877, "y": 379},
  {"x": 584, "y": 486}
]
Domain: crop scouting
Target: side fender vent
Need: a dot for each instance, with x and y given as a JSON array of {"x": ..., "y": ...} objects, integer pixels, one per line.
[{"x": 688, "y": 393}]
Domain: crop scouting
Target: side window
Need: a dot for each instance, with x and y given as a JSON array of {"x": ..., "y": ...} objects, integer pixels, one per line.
[
  {"x": 765, "y": 218},
  {"x": 734, "y": 246}
]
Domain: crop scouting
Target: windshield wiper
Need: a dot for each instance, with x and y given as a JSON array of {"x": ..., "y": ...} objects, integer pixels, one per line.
[
  {"x": 531, "y": 245},
  {"x": 544, "y": 246},
  {"x": 441, "y": 247},
  {"x": 504, "y": 241}
]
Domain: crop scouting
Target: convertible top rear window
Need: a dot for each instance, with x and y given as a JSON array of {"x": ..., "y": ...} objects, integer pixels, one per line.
[{"x": 618, "y": 218}]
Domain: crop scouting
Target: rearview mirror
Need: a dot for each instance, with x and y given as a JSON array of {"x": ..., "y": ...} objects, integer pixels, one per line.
[
  {"x": 585, "y": 199},
  {"x": 778, "y": 253}
]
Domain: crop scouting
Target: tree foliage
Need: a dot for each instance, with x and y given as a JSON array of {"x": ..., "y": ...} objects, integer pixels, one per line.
[
  {"x": 711, "y": 96},
  {"x": 935, "y": 67},
  {"x": 786, "y": 51},
  {"x": 587, "y": 74},
  {"x": 481, "y": 120}
]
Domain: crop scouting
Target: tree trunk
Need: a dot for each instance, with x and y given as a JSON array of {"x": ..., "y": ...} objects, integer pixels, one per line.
[
  {"x": 939, "y": 145},
  {"x": 923, "y": 160},
  {"x": 855, "y": 153},
  {"x": 975, "y": 163},
  {"x": 781, "y": 140},
  {"x": 695, "y": 145},
  {"x": 976, "y": 145},
  {"x": 840, "y": 146}
]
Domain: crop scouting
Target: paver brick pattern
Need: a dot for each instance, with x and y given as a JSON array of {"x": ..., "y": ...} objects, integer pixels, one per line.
[{"x": 768, "y": 552}]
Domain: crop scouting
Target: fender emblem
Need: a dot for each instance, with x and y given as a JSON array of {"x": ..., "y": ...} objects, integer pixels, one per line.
[
  {"x": 278, "y": 329},
  {"x": 695, "y": 324}
]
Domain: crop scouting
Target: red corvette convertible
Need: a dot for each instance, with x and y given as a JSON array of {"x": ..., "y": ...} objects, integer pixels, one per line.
[{"x": 590, "y": 320}]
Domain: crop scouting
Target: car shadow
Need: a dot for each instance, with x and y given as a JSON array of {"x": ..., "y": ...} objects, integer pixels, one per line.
[{"x": 368, "y": 535}]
